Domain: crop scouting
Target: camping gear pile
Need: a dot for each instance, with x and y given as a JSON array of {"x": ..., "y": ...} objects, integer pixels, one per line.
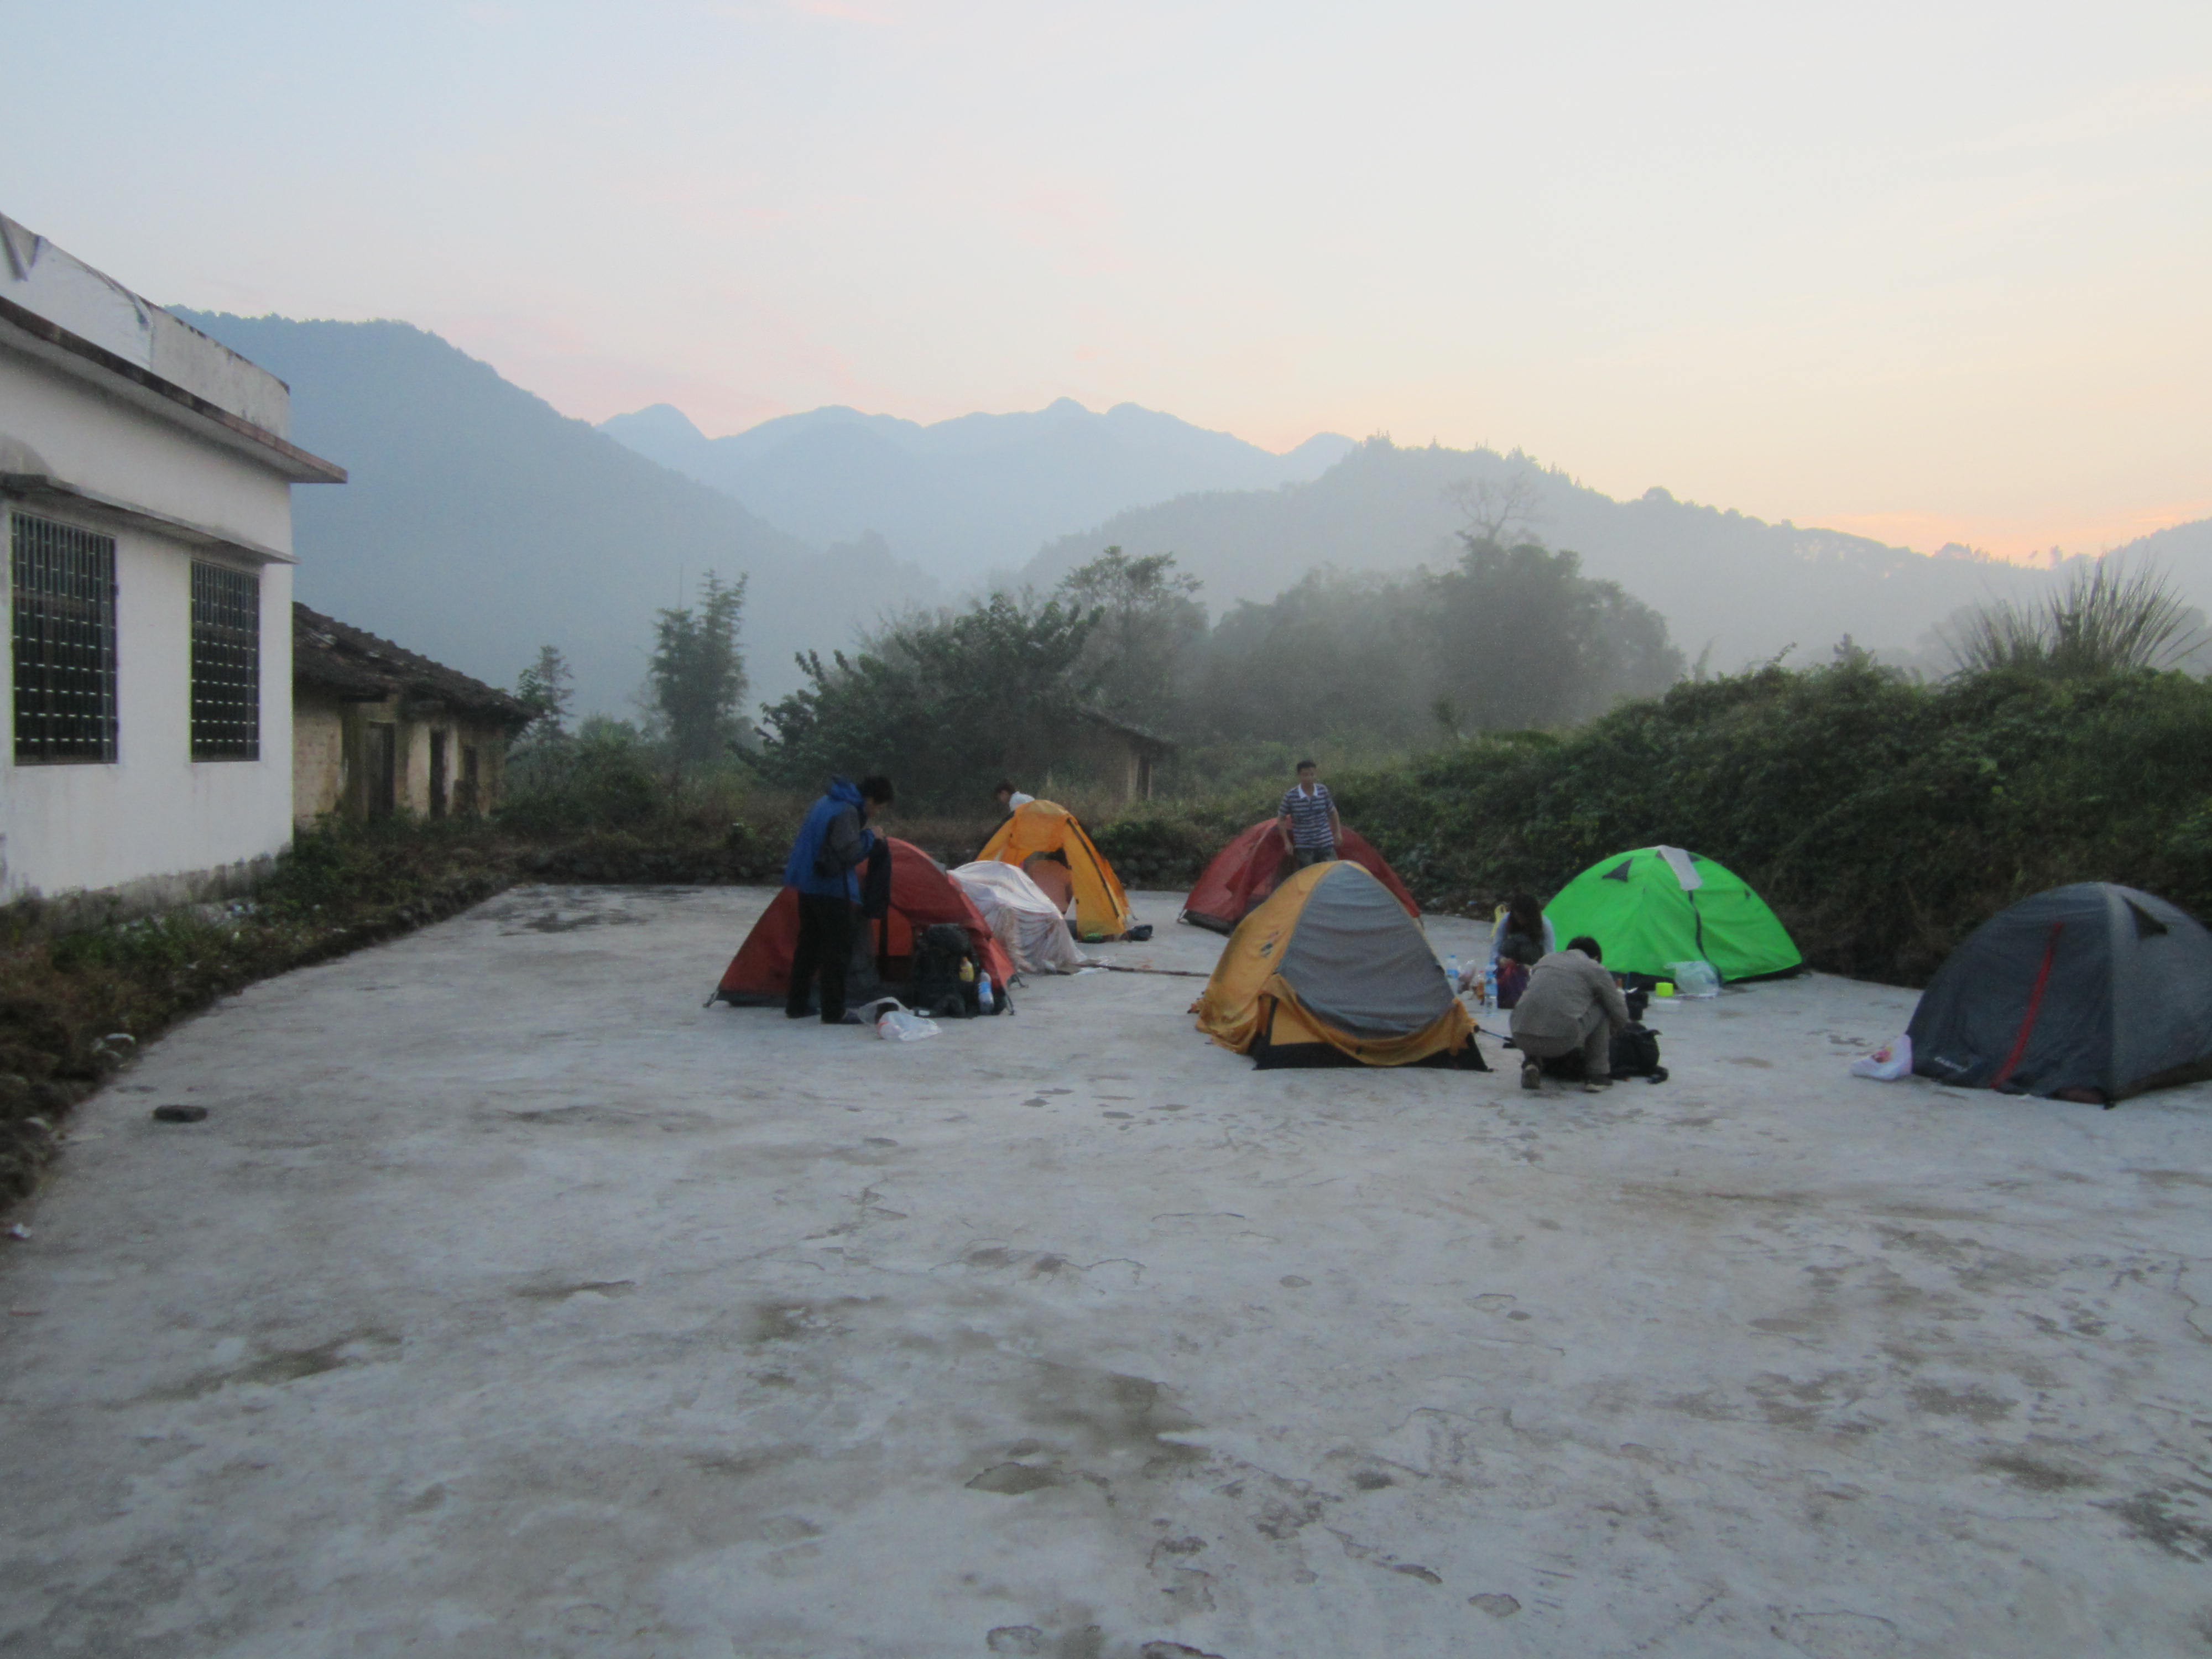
[
  {"x": 1244, "y": 872},
  {"x": 1021, "y": 918},
  {"x": 2092, "y": 991},
  {"x": 1044, "y": 833},
  {"x": 1331, "y": 971},
  {"x": 1655, "y": 908},
  {"x": 948, "y": 979}
]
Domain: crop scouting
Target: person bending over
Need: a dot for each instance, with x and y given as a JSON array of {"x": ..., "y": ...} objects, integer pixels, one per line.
[
  {"x": 1570, "y": 1003},
  {"x": 1011, "y": 800},
  {"x": 833, "y": 844},
  {"x": 1307, "y": 819}
]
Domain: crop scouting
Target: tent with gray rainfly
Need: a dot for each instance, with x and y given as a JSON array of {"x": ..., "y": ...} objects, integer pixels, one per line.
[{"x": 2091, "y": 992}]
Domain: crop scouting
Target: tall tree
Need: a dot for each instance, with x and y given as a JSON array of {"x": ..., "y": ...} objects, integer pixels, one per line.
[
  {"x": 1147, "y": 624},
  {"x": 698, "y": 673},
  {"x": 946, "y": 702},
  {"x": 548, "y": 687}
]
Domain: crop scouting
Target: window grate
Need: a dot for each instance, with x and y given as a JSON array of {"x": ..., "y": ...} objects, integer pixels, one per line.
[
  {"x": 63, "y": 585},
  {"x": 226, "y": 663}
]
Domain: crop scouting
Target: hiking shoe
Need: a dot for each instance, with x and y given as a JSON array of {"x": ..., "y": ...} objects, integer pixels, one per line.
[
  {"x": 1532, "y": 1075},
  {"x": 1597, "y": 1086}
]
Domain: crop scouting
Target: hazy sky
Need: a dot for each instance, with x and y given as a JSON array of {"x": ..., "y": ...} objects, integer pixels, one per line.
[{"x": 1928, "y": 271}]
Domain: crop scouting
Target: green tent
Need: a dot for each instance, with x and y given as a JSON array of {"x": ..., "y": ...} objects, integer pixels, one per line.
[{"x": 1659, "y": 904}]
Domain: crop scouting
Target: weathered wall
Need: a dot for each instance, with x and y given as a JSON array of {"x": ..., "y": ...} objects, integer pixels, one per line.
[
  {"x": 318, "y": 757},
  {"x": 330, "y": 748}
]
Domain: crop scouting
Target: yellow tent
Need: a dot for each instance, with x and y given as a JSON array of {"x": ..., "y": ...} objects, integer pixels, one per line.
[
  {"x": 1332, "y": 971},
  {"x": 1102, "y": 909}
]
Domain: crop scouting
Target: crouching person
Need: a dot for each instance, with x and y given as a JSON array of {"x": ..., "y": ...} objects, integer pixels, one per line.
[
  {"x": 1570, "y": 1003},
  {"x": 824, "y": 865}
]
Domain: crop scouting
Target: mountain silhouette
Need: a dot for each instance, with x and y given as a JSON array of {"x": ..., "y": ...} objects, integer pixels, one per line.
[
  {"x": 480, "y": 523},
  {"x": 1734, "y": 588},
  {"x": 966, "y": 496}
]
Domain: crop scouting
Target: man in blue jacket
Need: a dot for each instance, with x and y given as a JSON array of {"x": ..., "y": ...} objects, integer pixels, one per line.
[{"x": 824, "y": 865}]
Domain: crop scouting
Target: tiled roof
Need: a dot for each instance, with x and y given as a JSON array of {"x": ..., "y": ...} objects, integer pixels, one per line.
[{"x": 354, "y": 665}]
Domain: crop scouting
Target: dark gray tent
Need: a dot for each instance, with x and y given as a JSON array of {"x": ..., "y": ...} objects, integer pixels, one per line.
[{"x": 2091, "y": 990}]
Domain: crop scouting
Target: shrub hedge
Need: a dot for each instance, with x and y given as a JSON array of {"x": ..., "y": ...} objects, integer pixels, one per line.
[{"x": 1883, "y": 819}]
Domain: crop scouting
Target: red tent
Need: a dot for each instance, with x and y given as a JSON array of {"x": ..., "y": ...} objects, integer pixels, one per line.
[
  {"x": 1246, "y": 870},
  {"x": 921, "y": 894}
]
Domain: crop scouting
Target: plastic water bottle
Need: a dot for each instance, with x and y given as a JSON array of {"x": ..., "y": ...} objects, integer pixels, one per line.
[
  {"x": 1490, "y": 987},
  {"x": 1451, "y": 971},
  {"x": 983, "y": 992}
]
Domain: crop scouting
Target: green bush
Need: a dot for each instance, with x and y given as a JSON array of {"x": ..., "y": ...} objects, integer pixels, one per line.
[
  {"x": 601, "y": 778},
  {"x": 1882, "y": 819}
]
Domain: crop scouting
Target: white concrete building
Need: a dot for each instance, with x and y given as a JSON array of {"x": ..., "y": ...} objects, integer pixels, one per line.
[{"x": 145, "y": 494}]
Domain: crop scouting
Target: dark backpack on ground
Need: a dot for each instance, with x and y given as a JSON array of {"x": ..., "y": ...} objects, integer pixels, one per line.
[
  {"x": 936, "y": 988},
  {"x": 1635, "y": 1054}
]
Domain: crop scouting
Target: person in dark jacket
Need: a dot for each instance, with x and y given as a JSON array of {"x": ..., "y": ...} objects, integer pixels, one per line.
[{"x": 833, "y": 844}]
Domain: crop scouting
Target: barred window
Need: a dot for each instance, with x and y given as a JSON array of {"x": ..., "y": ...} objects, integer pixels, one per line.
[
  {"x": 63, "y": 586},
  {"x": 226, "y": 663}
]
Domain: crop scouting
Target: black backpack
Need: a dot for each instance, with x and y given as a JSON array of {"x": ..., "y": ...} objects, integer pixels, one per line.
[
  {"x": 1635, "y": 1054},
  {"x": 938, "y": 987}
]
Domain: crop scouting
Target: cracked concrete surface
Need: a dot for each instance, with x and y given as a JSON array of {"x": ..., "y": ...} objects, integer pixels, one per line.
[{"x": 507, "y": 1302}]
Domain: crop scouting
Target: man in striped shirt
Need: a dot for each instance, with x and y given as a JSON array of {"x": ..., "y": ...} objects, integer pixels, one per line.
[{"x": 1307, "y": 819}]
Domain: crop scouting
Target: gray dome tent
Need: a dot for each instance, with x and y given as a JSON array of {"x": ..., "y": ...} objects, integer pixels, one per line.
[{"x": 2089, "y": 991}]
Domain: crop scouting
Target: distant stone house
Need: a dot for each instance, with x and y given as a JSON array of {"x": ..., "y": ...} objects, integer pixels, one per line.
[
  {"x": 145, "y": 506},
  {"x": 378, "y": 731},
  {"x": 1119, "y": 753}
]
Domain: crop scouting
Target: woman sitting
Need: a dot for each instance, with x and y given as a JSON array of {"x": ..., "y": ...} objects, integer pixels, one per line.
[{"x": 1519, "y": 939}]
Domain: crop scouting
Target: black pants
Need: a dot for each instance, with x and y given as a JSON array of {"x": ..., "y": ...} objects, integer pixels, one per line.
[{"x": 826, "y": 947}]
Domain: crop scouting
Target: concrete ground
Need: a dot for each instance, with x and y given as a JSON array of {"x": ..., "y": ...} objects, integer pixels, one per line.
[{"x": 509, "y": 1303}]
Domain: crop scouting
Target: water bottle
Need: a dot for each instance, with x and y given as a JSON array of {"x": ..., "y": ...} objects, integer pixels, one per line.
[
  {"x": 1451, "y": 971},
  {"x": 983, "y": 992},
  {"x": 1490, "y": 987}
]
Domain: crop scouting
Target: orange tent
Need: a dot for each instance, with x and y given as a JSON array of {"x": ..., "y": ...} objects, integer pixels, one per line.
[
  {"x": 921, "y": 893},
  {"x": 1101, "y": 908},
  {"x": 1246, "y": 870},
  {"x": 1332, "y": 971}
]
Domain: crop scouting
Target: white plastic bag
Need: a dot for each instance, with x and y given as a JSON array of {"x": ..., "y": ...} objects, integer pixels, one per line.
[
  {"x": 1887, "y": 1063},
  {"x": 1695, "y": 979},
  {"x": 901, "y": 1025}
]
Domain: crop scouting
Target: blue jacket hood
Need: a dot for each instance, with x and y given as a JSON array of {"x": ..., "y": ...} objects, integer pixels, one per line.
[{"x": 842, "y": 795}]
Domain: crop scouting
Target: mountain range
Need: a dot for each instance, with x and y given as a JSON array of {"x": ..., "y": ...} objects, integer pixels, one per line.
[
  {"x": 480, "y": 523},
  {"x": 966, "y": 498},
  {"x": 1733, "y": 588}
]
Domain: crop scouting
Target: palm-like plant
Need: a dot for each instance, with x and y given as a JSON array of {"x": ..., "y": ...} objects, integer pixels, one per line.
[{"x": 2105, "y": 620}]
